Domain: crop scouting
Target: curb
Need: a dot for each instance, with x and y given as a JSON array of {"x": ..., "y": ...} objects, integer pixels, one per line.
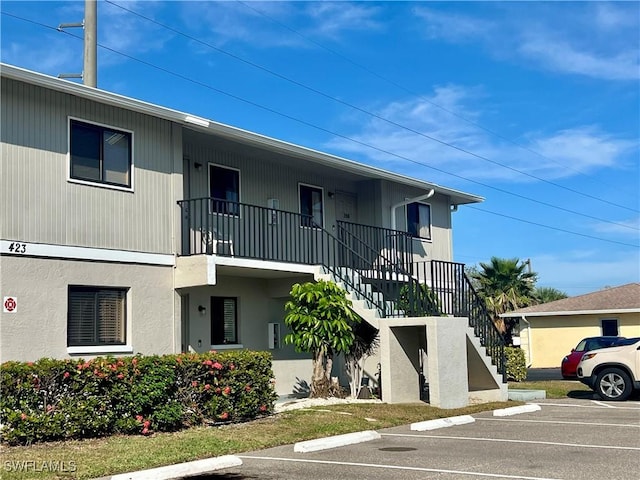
[
  {"x": 180, "y": 470},
  {"x": 442, "y": 423},
  {"x": 505, "y": 412},
  {"x": 335, "y": 441}
]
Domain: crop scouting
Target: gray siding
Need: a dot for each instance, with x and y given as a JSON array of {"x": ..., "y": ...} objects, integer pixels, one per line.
[
  {"x": 39, "y": 204},
  {"x": 264, "y": 176}
]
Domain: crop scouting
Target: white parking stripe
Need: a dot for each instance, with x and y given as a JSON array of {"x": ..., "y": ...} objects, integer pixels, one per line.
[
  {"x": 501, "y": 440},
  {"x": 556, "y": 421},
  {"x": 602, "y": 404},
  {"x": 397, "y": 467},
  {"x": 574, "y": 405}
]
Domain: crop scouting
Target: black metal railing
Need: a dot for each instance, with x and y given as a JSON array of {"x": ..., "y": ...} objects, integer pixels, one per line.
[
  {"x": 386, "y": 263},
  {"x": 226, "y": 228},
  {"x": 457, "y": 297},
  {"x": 370, "y": 242},
  {"x": 375, "y": 264}
]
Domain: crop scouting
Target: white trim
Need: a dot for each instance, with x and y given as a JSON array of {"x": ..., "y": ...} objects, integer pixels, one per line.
[
  {"x": 575, "y": 312},
  {"x": 100, "y": 184},
  {"x": 302, "y": 184},
  {"x": 102, "y": 349},
  {"x": 86, "y": 253},
  {"x": 227, "y": 346},
  {"x": 201, "y": 122},
  {"x": 261, "y": 264}
]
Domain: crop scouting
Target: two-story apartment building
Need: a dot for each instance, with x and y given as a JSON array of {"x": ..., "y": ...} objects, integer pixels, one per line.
[{"x": 131, "y": 228}]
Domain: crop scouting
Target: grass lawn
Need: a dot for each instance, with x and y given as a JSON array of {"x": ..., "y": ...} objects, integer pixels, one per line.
[{"x": 119, "y": 454}]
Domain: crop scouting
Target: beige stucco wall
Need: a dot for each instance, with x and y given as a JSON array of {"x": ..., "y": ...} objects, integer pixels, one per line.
[
  {"x": 259, "y": 302},
  {"x": 546, "y": 340},
  {"x": 39, "y": 328}
]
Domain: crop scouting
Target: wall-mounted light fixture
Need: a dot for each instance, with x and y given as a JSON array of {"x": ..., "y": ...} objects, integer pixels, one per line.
[
  {"x": 202, "y": 309},
  {"x": 197, "y": 166}
]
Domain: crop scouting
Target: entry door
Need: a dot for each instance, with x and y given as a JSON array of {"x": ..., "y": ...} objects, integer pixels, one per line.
[
  {"x": 346, "y": 211},
  {"x": 346, "y": 207}
]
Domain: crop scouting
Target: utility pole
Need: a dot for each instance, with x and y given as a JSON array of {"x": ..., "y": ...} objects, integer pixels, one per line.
[{"x": 89, "y": 74}]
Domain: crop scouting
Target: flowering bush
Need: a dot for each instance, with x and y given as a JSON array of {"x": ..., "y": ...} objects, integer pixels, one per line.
[{"x": 61, "y": 399}]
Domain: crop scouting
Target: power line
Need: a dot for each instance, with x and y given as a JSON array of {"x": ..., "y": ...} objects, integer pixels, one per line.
[
  {"x": 303, "y": 122},
  {"x": 552, "y": 228},
  {"x": 421, "y": 97},
  {"x": 372, "y": 114}
]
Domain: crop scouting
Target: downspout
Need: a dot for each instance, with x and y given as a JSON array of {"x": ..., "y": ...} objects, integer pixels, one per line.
[{"x": 529, "y": 349}]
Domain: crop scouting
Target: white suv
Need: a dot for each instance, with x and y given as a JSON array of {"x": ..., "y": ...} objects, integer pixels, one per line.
[{"x": 613, "y": 372}]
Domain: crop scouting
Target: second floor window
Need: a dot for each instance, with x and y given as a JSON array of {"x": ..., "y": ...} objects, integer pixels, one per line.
[
  {"x": 311, "y": 206},
  {"x": 224, "y": 189},
  {"x": 419, "y": 220},
  {"x": 100, "y": 154}
]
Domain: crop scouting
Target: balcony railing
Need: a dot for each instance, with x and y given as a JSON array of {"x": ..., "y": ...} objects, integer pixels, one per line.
[{"x": 373, "y": 263}]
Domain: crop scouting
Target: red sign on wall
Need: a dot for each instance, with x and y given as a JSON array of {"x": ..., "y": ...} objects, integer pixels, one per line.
[{"x": 10, "y": 305}]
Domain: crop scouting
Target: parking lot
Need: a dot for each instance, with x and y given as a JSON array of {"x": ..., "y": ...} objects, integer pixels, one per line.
[{"x": 566, "y": 439}]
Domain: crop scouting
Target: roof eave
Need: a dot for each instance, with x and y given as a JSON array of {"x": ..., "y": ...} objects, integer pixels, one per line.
[{"x": 569, "y": 312}]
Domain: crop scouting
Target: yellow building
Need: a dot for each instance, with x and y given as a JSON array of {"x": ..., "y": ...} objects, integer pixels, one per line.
[{"x": 549, "y": 331}]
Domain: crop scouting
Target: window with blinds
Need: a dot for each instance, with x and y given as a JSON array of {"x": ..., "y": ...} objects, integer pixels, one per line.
[
  {"x": 224, "y": 321},
  {"x": 96, "y": 316}
]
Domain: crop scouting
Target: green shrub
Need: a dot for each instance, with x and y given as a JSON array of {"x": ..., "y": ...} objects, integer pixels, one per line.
[
  {"x": 62, "y": 399},
  {"x": 516, "y": 364}
]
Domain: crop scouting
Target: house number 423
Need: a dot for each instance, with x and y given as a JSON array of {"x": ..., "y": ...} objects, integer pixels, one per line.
[{"x": 16, "y": 247}]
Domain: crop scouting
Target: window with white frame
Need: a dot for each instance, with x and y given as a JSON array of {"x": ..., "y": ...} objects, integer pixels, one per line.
[
  {"x": 224, "y": 189},
  {"x": 419, "y": 220},
  {"x": 224, "y": 320},
  {"x": 100, "y": 154},
  {"x": 311, "y": 206},
  {"x": 97, "y": 316}
]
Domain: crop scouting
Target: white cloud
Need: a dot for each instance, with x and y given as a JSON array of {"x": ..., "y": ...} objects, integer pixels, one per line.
[
  {"x": 334, "y": 18},
  {"x": 600, "y": 40},
  {"x": 469, "y": 151},
  {"x": 125, "y": 32},
  {"x": 629, "y": 227},
  {"x": 564, "y": 57},
  {"x": 453, "y": 27},
  {"x": 32, "y": 56},
  {"x": 265, "y": 24}
]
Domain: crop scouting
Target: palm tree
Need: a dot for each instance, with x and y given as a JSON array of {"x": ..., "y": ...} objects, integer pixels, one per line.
[
  {"x": 505, "y": 285},
  {"x": 549, "y": 294}
]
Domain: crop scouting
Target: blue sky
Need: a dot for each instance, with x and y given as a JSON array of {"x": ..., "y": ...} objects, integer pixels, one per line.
[{"x": 534, "y": 106}]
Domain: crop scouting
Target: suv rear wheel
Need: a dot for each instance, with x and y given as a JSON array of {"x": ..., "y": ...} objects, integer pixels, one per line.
[{"x": 613, "y": 384}]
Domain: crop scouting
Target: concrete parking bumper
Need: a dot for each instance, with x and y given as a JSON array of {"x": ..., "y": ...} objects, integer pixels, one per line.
[{"x": 198, "y": 467}]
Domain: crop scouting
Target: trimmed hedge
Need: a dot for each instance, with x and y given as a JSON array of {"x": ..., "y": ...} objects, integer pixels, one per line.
[
  {"x": 516, "y": 364},
  {"x": 63, "y": 399}
]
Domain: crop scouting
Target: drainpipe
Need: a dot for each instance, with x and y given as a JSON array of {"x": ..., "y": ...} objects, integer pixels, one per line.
[
  {"x": 529, "y": 349},
  {"x": 429, "y": 194}
]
